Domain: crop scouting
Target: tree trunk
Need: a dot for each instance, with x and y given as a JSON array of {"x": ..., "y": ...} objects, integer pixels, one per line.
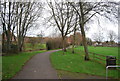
[
  {"x": 20, "y": 48},
  {"x": 73, "y": 49},
  {"x": 3, "y": 42},
  {"x": 73, "y": 45},
  {"x": 84, "y": 43},
  {"x": 8, "y": 32},
  {"x": 8, "y": 41},
  {"x": 81, "y": 21},
  {"x": 64, "y": 47},
  {"x": 19, "y": 44}
]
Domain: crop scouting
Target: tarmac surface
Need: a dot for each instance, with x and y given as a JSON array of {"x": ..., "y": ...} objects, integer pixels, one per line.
[{"x": 38, "y": 67}]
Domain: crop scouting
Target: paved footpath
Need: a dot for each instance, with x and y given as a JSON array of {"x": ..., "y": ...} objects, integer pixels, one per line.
[{"x": 39, "y": 67}]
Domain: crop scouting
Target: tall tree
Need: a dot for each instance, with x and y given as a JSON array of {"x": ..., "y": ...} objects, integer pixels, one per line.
[
  {"x": 63, "y": 16},
  {"x": 28, "y": 14},
  {"x": 112, "y": 36},
  {"x": 8, "y": 23},
  {"x": 18, "y": 17},
  {"x": 86, "y": 10},
  {"x": 74, "y": 33}
]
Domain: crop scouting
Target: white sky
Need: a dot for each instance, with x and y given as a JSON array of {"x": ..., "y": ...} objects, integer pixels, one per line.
[
  {"x": 105, "y": 26},
  {"x": 94, "y": 27}
]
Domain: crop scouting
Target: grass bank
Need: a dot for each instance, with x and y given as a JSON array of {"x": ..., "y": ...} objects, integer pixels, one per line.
[
  {"x": 75, "y": 62},
  {"x": 14, "y": 63}
]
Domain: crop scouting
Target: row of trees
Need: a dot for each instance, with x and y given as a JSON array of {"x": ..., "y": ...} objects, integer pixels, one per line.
[
  {"x": 16, "y": 18},
  {"x": 71, "y": 17},
  {"x": 111, "y": 36}
]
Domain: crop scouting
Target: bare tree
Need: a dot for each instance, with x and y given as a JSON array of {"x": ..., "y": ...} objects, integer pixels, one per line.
[
  {"x": 63, "y": 15},
  {"x": 98, "y": 37},
  {"x": 8, "y": 19},
  {"x": 112, "y": 35},
  {"x": 28, "y": 14},
  {"x": 86, "y": 10},
  {"x": 74, "y": 33},
  {"x": 89, "y": 41},
  {"x": 18, "y": 17}
]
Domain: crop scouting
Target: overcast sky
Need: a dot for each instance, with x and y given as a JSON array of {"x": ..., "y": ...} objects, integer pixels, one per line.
[{"x": 104, "y": 26}]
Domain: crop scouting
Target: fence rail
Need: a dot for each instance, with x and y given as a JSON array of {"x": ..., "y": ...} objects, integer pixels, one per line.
[
  {"x": 98, "y": 54},
  {"x": 95, "y": 56},
  {"x": 100, "y": 57}
]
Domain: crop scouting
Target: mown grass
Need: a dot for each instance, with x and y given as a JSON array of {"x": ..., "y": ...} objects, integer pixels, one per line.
[
  {"x": 13, "y": 63},
  {"x": 106, "y": 51},
  {"x": 75, "y": 62},
  {"x": 111, "y": 51}
]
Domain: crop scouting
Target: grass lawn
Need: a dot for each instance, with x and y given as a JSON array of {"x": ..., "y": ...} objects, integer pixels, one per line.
[
  {"x": 75, "y": 62},
  {"x": 13, "y": 63},
  {"x": 113, "y": 51},
  {"x": 38, "y": 46}
]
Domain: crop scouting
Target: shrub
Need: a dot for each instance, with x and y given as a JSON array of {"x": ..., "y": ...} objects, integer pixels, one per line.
[
  {"x": 13, "y": 49},
  {"x": 54, "y": 43}
]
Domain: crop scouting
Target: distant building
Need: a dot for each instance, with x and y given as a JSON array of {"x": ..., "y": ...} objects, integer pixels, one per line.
[
  {"x": 78, "y": 39},
  {"x": 105, "y": 44},
  {"x": 95, "y": 44},
  {"x": 69, "y": 41}
]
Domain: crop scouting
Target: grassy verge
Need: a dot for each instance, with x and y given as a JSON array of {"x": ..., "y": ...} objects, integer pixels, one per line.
[
  {"x": 13, "y": 63},
  {"x": 75, "y": 62}
]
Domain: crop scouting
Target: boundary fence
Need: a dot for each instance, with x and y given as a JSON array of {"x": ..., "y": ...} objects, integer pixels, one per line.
[{"x": 102, "y": 58}]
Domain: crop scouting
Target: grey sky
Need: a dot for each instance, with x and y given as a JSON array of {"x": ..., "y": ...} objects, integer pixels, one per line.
[
  {"x": 104, "y": 26},
  {"x": 94, "y": 27}
]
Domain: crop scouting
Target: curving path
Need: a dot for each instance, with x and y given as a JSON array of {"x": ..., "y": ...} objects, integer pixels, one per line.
[{"x": 39, "y": 67}]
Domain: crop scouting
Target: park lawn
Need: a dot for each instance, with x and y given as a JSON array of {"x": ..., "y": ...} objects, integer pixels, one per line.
[
  {"x": 107, "y": 51},
  {"x": 75, "y": 63},
  {"x": 29, "y": 46},
  {"x": 14, "y": 63},
  {"x": 111, "y": 51}
]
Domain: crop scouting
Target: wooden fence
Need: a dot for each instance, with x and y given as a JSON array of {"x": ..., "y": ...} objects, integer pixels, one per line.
[{"x": 102, "y": 58}]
